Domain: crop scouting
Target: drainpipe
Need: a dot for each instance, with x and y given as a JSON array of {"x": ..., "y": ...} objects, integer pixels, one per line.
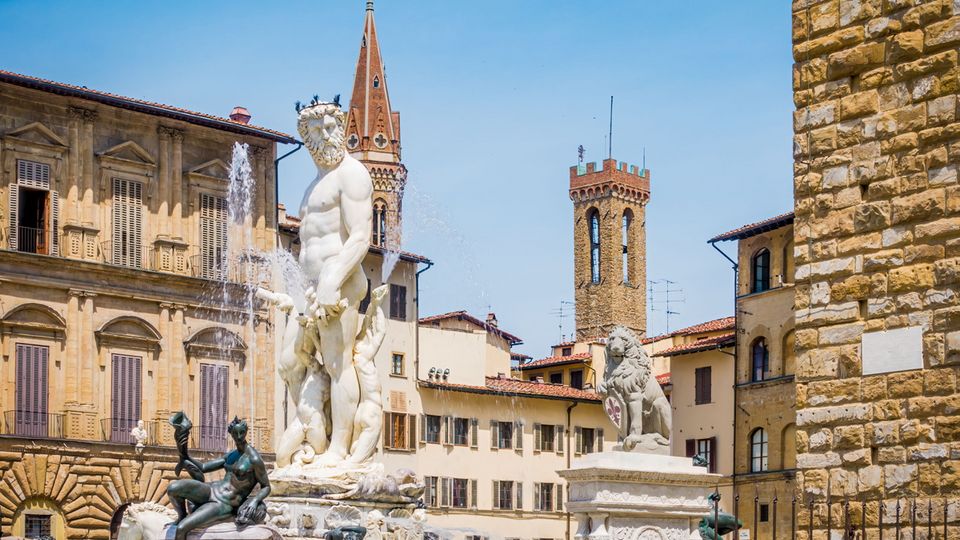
[
  {"x": 416, "y": 321},
  {"x": 736, "y": 364},
  {"x": 569, "y": 452},
  {"x": 276, "y": 189}
]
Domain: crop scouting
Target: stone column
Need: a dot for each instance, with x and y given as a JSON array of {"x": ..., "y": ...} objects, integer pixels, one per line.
[
  {"x": 71, "y": 363},
  {"x": 598, "y": 526},
  {"x": 88, "y": 354},
  {"x": 176, "y": 199},
  {"x": 164, "y": 362},
  {"x": 163, "y": 183}
]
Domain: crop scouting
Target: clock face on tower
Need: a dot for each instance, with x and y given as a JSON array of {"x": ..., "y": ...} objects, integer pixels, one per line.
[
  {"x": 353, "y": 141},
  {"x": 380, "y": 140}
]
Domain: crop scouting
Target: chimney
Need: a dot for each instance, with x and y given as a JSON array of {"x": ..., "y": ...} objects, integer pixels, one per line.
[
  {"x": 492, "y": 319},
  {"x": 240, "y": 114}
]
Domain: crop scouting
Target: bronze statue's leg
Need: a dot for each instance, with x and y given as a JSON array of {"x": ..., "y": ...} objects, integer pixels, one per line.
[
  {"x": 180, "y": 491},
  {"x": 207, "y": 513}
]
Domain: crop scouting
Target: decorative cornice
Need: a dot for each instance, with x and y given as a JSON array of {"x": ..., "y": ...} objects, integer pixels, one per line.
[
  {"x": 79, "y": 113},
  {"x": 172, "y": 133}
]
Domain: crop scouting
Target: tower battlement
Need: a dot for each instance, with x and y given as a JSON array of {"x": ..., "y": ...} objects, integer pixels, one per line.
[{"x": 588, "y": 181}]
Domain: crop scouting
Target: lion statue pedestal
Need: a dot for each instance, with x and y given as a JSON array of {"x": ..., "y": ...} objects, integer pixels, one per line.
[{"x": 637, "y": 491}]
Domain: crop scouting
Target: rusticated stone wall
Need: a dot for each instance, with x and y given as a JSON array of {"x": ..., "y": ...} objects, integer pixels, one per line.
[{"x": 877, "y": 234}]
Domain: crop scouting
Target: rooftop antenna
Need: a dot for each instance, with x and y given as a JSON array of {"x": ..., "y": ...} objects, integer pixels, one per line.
[
  {"x": 610, "y": 136},
  {"x": 561, "y": 314},
  {"x": 662, "y": 296}
]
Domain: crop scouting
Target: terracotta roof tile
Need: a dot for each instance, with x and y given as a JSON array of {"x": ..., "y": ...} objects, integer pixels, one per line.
[
  {"x": 716, "y": 342},
  {"x": 754, "y": 229},
  {"x": 516, "y": 387},
  {"x": 463, "y": 315},
  {"x": 663, "y": 379},
  {"x": 520, "y": 356},
  {"x": 716, "y": 325},
  {"x": 555, "y": 360},
  {"x": 140, "y": 105}
]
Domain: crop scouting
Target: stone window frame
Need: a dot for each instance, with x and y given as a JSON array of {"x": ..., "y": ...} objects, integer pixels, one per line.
[
  {"x": 765, "y": 369},
  {"x": 759, "y": 445},
  {"x": 755, "y": 266}
]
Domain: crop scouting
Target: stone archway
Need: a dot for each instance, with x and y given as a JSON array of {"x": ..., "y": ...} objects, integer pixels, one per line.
[{"x": 116, "y": 520}]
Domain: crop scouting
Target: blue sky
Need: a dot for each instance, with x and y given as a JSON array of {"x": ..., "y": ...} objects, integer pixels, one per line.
[{"x": 494, "y": 98}]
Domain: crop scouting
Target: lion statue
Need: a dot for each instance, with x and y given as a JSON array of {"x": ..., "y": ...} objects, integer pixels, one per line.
[{"x": 633, "y": 397}]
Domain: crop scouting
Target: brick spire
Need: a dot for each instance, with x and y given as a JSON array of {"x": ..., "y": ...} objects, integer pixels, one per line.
[{"x": 373, "y": 129}]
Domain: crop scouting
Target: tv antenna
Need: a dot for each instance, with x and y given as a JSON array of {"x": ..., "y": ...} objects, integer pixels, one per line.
[
  {"x": 561, "y": 313},
  {"x": 610, "y": 132},
  {"x": 666, "y": 294}
]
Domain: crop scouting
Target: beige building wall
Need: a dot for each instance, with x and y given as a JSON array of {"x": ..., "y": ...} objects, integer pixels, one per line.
[{"x": 64, "y": 288}]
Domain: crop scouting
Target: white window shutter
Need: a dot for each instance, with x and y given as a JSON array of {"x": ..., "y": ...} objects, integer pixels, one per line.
[
  {"x": 537, "y": 442},
  {"x": 494, "y": 434},
  {"x": 536, "y": 496},
  {"x": 557, "y": 498},
  {"x": 474, "y": 432},
  {"x": 411, "y": 431},
  {"x": 518, "y": 498},
  {"x": 560, "y": 439},
  {"x": 447, "y": 430},
  {"x": 14, "y": 211},
  {"x": 578, "y": 440},
  {"x": 473, "y": 494},
  {"x": 518, "y": 436},
  {"x": 496, "y": 494},
  {"x": 444, "y": 491},
  {"x": 423, "y": 429},
  {"x": 387, "y": 429},
  {"x": 54, "y": 223}
]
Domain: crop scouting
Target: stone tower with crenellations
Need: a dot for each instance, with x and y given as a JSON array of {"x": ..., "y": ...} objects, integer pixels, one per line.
[
  {"x": 373, "y": 137},
  {"x": 609, "y": 247}
]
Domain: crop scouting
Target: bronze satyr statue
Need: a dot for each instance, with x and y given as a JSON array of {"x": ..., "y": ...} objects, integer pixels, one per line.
[{"x": 201, "y": 503}]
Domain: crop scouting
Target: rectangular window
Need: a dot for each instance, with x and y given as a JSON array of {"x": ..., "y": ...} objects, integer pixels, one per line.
[
  {"x": 34, "y": 210},
  {"x": 461, "y": 488},
  {"x": 589, "y": 440},
  {"x": 548, "y": 434},
  {"x": 430, "y": 495},
  {"x": 505, "y": 435},
  {"x": 126, "y": 247},
  {"x": 399, "y": 431},
  {"x": 398, "y": 302},
  {"x": 576, "y": 378},
  {"x": 503, "y": 494},
  {"x": 125, "y": 397},
  {"x": 556, "y": 378},
  {"x": 36, "y": 525},
  {"x": 566, "y": 351},
  {"x": 431, "y": 428},
  {"x": 706, "y": 448},
  {"x": 702, "y": 383},
  {"x": 31, "y": 414},
  {"x": 461, "y": 431},
  {"x": 396, "y": 365},
  {"x": 764, "y": 513},
  {"x": 214, "y": 381},
  {"x": 213, "y": 236},
  {"x": 543, "y": 495}
]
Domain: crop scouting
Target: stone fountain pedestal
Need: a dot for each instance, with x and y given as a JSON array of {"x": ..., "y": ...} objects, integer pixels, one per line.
[
  {"x": 307, "y": 503},
  {"x": 637, "y": 496}
]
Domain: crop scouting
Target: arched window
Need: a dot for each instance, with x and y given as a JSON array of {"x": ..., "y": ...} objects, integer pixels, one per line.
[
  {"x": 626, "y": 222},
  {"x": 758, "y": 450},
  {"x": 379, "y": 223},
  {"x": 760, "y": 360},
  {"x": 376, "y": 82},
  {"x": 760, "y": 267},
  {"x": 594, "y": 220},
  {"x": 789, "y": 353}
]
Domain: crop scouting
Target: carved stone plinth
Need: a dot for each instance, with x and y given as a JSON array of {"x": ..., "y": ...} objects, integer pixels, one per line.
[
  {"x": 635, "y": 496},
  {"x": 300, "y": 518}
]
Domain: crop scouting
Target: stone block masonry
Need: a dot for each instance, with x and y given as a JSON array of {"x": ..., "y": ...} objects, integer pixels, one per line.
[{"x": 877, "y": 236}]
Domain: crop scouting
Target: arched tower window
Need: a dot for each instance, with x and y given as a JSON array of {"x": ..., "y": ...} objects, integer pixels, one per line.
[
  {"x": 625, "y": 231},
  {"x": 760, "y": 270},
  {"x": 760, "y": 356},
  {"x": 379, "y": 223},
  {"x": 594, "y": 224},
  {"x": 376, "y": 82},
  {"x": 758, "y": 450}
]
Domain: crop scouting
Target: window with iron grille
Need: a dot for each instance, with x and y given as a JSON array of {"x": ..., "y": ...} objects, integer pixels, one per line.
[
  {"x": 127, "y": 240},
  {"x": 36, "y": 525},
  {"x": 213, "y": 236}
]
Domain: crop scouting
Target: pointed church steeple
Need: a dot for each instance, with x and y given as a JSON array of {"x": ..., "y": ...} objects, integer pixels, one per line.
[
  {"x": 373, "y": 131},
  {"x": 373, "y": 137}
]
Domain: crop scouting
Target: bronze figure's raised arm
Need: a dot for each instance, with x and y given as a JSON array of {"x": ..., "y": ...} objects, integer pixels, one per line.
[{"x": 201, "y": 503}]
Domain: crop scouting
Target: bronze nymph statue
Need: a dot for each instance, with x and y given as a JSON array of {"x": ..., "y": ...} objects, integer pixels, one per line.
[{"x": 201, "y": 503}]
